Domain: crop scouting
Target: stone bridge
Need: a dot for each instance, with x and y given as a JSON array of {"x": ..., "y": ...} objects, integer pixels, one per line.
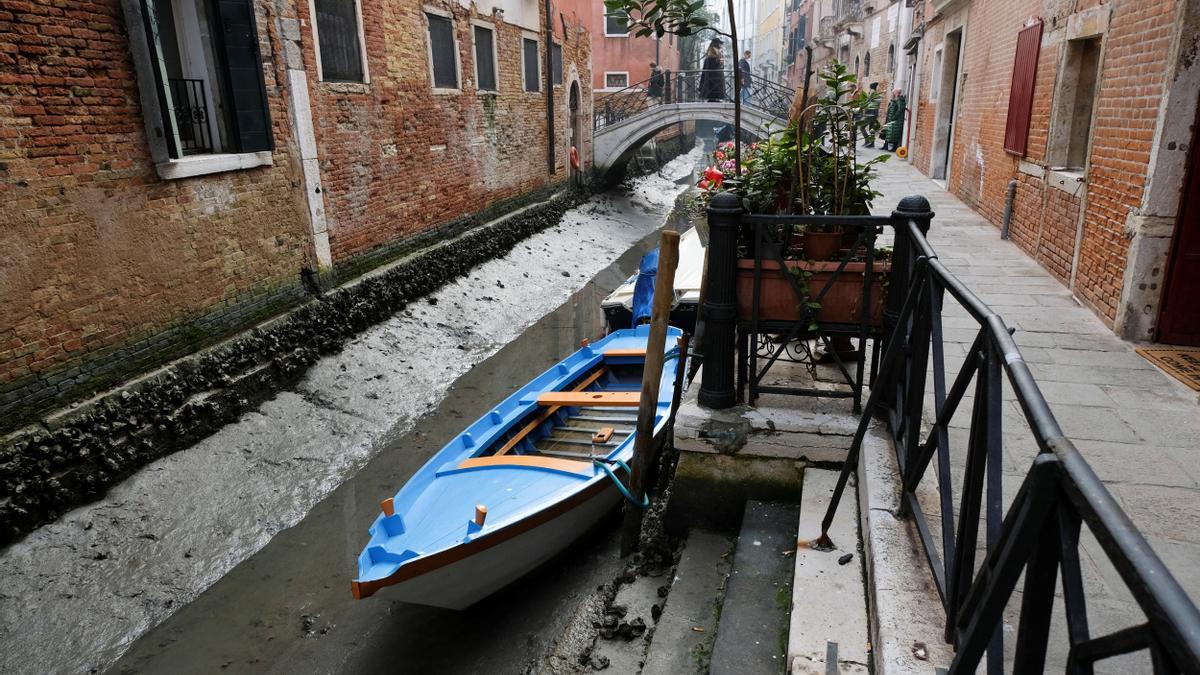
[{"x": 626, "y": 119}]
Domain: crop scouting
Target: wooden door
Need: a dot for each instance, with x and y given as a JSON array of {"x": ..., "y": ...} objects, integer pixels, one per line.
[{"x": 1179, "y": 321}]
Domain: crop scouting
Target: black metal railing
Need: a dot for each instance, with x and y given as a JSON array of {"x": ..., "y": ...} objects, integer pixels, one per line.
[
  {"x": 1040, "y": 533},
  {"x": 190, "y": 102},
  {"x": 685, "y": 87}
]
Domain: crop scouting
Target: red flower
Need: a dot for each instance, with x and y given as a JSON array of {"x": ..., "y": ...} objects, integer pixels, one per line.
[
  {"x": 714, "y": 175},
  {"x": 719, "y": 155},
  {"x": 703, "y": 185}
]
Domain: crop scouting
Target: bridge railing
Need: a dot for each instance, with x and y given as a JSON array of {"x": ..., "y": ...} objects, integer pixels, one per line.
[{"x": 691, "y": 86}]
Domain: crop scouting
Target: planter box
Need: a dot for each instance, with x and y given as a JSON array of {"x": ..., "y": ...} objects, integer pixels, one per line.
[{"x": 841, "y": 304}]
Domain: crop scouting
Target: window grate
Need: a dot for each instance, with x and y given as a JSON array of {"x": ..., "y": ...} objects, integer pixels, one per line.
[
  {"x": 556, "y": 62},
  {"x": 441, "y": 51},
  {"x": 485, "y": 59},
  {"x": 530, "y": 48},
  {"x": 191, "y": 115},
  {"x": 337, "y": 35}
]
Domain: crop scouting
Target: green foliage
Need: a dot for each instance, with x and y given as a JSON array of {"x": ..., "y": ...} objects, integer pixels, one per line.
[{"x": 659, "y": 17}]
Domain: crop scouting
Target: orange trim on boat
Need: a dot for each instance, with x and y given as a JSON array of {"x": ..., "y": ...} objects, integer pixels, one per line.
[
  {"x": 603, "y": 435},
  {"x": 388, "y": 506},
  {"x": 530, "y": 461},
  {"x": 512, "y": 442},
  {"x": 619, "y": 399}
]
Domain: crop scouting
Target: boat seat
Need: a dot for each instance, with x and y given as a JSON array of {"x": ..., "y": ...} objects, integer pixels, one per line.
[
  {"x": 618, "y": 399},
  {"x": 637, "y": 351},
  {"x": 571, "y": 466}
]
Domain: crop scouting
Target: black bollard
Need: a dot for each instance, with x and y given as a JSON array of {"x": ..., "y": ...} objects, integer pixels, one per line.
[
  {"x": 720, "y": 303},
  {"x": 904, "y": 253}
]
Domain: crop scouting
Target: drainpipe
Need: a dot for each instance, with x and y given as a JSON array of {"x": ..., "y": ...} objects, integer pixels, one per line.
[
  {"x": 1008, "y": 207},
  {"x": 550, "y": 87}
]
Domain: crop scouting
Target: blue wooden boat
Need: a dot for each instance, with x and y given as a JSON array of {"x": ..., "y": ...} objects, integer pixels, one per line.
[{"x": 520, "y": 484}]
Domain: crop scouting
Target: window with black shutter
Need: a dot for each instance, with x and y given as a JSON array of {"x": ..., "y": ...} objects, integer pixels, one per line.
[
  {"x": 213, "y": 104},
  {"x": 529, "y": 51},
  {"x": 485, "y": 59},
  {"x": 442, "y": 52},
  {"x": 338, "y": 40},
  {"x": 556, "y": 63}
]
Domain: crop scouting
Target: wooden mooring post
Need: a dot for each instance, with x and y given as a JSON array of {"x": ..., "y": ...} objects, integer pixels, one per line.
[{"x": 643, "y": 442}]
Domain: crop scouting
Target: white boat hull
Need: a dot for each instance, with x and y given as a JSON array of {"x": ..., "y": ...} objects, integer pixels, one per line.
[{"x": 464, "y": 582}]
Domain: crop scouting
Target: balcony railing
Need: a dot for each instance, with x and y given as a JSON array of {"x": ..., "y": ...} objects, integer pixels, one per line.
[
  {"x": 190, "y": 102},
  {"x": 1039, "y": 535}
]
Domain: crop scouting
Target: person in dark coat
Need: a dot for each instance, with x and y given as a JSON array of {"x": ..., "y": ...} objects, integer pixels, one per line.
[
  {"x": 893, "y": 135},
  {"x": 744, "y": 66},
  {"x": 656, "y": 81},
  {"x": 712, "y": 79},
  {"x": 870, "y": 121}
]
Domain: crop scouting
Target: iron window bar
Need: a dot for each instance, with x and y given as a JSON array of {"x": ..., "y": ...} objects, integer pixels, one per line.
[{"x": 191, "y": 115}]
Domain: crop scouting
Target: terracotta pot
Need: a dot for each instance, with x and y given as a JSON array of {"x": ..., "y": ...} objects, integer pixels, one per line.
[
  {"x": 822, "y": 245},
  {"x": 841, "y": 304}
]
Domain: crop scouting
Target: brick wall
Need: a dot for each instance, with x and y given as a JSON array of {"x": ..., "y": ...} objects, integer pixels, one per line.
[
  {"x": 102, "y": 256},
  {"x": 110, "y": 270},
  {"x": 397, "y": 158},
  {"x": 1045, "y": 220}
]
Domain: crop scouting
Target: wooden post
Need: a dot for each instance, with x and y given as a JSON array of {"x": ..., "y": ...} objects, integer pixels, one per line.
[{"x": 643, "y": 442}]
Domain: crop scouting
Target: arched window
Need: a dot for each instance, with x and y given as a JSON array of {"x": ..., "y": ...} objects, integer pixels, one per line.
[
  {"x": 867, "y": 65},
  {"x": 892, "y": 59},
  {"x": 857, "y": 66}
]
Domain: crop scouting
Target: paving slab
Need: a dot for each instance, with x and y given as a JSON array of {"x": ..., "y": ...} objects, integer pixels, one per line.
[
  {"x": 753, "y": 632},
  {"x": 829, "y": 602},
  {"x": 684, "y": 634}
]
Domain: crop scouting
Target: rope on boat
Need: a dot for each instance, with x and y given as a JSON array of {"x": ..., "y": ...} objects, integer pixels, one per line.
[{"x": 603, "y": 464}]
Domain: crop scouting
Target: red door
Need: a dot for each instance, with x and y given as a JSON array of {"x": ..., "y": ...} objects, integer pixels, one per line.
[{"x": 1179, "y": 322}]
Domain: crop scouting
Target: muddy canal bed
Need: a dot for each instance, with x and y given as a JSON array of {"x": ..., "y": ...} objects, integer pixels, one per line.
[{"x": 245, "y": 543}]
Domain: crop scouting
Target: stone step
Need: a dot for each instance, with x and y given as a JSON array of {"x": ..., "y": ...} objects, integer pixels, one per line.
[
  {"x": 829, "y": 602},
  {"x": 752, "y": 635},
  {"x": 684, "y": 634}
]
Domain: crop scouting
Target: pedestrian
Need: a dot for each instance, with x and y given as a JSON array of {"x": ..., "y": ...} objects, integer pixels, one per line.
[
  {"x": 744, "y": 67},
  {"x": 712, "y": 77},
  {"x": 894, "y": 134},
  {"x": 655, "y": 90},
  {"x": 870, "y": 121}
]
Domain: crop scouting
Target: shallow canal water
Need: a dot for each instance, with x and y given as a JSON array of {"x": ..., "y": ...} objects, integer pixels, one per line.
[{"x": 288, "y": 608}]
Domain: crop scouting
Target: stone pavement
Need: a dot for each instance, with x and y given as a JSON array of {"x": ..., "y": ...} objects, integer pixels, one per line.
[{"x": 1138, "y": 427}]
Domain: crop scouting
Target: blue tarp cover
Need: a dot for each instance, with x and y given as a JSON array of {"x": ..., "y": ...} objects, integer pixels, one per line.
[{"x": 643, "y": 290}]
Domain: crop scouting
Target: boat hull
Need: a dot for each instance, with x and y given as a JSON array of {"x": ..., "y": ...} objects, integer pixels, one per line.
[{"x": 474, "y": 571}]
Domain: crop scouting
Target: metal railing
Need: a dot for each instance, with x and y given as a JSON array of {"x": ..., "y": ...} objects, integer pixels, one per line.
[
  {"x": 1040, "y": 533},
  {"x": 684, "y": 87},
  {"x": 190, "y": 102}
]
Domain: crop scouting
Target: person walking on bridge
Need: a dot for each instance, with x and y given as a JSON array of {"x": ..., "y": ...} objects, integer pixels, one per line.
[
  {"x": 655, "y": 89},
  {"x": 744, "y": 66},
  {"x": 712, "y": 79}
]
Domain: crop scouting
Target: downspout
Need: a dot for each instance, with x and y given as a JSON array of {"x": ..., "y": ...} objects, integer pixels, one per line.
[{"x": 550, "y": 88}]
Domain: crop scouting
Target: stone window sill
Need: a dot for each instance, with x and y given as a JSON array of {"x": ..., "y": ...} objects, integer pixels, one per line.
[
  {"x": 1070, "y": 181},
  {"x": 200, "y": 165}
]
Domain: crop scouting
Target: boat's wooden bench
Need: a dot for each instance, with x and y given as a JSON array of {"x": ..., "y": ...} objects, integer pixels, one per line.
[
  {"x": 637, "y": 351},
  {"x": 571, "y": 466},
  {"x": 613, "y": 399}
]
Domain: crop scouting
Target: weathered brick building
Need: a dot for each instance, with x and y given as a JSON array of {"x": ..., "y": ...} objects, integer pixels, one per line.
[
  {"x": 172, "y": 171},
  {"x": 1090, "y": 108}
]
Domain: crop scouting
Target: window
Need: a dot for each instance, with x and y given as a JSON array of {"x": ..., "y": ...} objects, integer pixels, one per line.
[
  {"x": 485, "y": 59},
  {"x": 556, "y": 64},
  {"x": 1020, "y": 95},
  {"x": 205, "y": 73},
  {"x": 867, "y": 65},
  {"x": 892, "y": 59},
  {"x": 443, "y": 54},
  {"x": 615, "y": 27},
  {"x": 339, "y": 48},
  {"x": 616, "y": 80},
  {"x": 1072, "y": 118},
  {"x": 529, "y": 51}
]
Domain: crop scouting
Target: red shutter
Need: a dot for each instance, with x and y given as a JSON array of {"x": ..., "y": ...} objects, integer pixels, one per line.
[{"x": 1020, "y": 97}]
